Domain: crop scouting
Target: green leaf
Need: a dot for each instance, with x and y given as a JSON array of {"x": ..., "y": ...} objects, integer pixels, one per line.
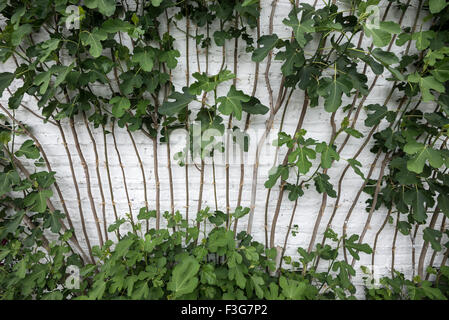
[
  {"x": 209, "y": 83},
  {"x": 232, "y": 103},
  {"x": 98, "y": 290},
  {"x": 29, "y": 150},
  {"x": 404, "y": 227},
  {"x": 18, "y": 14},
  {"x": 240, "y": 212},
  {"x": 54, "y": 295},
  {"x": 436, "y": 6},
  {"x": 44, "y": 179},
  {"x": 131, "y": 81},
  {"x": 169, "y": 57},
  {"x": 443, "y": 203},
  {"x": 294, "y": 58},
  {"x": 322, "y": 185},
  {"x": 254, "y": 106},
  {"x": 301, "y": 156},
  {"x": 145, "y": 214},
  {"x": 441, "y": 71},
  {"x": 434, "y": 237},
  {"x": 292, "y": 289},
  {"x": 426, "y": 84},
  {"x": 423, "y": 39},
  {"x": 93, "y": 40},
  {"x": 5, "y": 80},
  {"x": 332, "y": 90},
  {"x": 295, "y": 191},
  {"x": 355, "y": 166},
  {"x": 54, "y": 221},
  {"x": 390, "y": 27},
  {"x": 387, "y": 58},
  {"x": 7, "y": 180},
  {"x": 354, "y": 248},
  {"x": 238, "y": 273},
  {"x": 106, "y": 7},
  {"x": 396, "y": 73},
  {"x": 345, "y": 270},
  {"x": 328, "y": 154},
  {"x": 416, "y": 198},
  {"x": 431, "y": 292},
  {"x": 258, "y": 284},
  {"x": 221, "y": 36},
  {"x": 47, "y": 48},
  {"x": 267, "y": 42},
  {"x": 182, "y": 100},
  {"x": 141, "y": 292},
  {"x": 381, "y": 38},
  {"x": 144, "y": 57},
  {"x": 116, "y": 25},
  {"x": 353, "y": 132},
  {"x": 156, "y": 3},
  {"x": 184, "y": 279},
  {"x": 377, "y": 68},
  {"x": 280, "y": 171},
  {"x": 272, "y": 291},
  {"x": 251, "y": 254},
  {"x": 62, "y": 72},
  {"x": 422, "y": 153},
  {"x": 14, "y": 223},
  {"x": 37, "y": 200},
  {"x": 18, "y": 34},
  {"x": 43, "y": 80},
  {"x": 120, "y": 105},
  {"x": 208, "y": 275},
  {"x": 380, "y": 112},
  {"x": 116, "y": 225},
  {"x": 248, "y": 3},
  {"x": 300, "y": 29},
  {"x": 21, "y": 268},
  {"x": 122, "y": 248}
]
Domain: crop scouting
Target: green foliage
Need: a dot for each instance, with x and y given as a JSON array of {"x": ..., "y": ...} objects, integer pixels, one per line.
[
  {"x": 163, "y": 264},
  {"x": 184, "y": 280},
  {"x": 123, "y": 51},
  {"x": 400, "y": 288},
  {"x": 182, "y": 100},
  {"x": 267, "y": 44},
  {"x": 232, "y": 103}
]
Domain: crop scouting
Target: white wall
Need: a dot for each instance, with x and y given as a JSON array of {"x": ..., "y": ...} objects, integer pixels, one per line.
[{"x": 316, "y": 123}]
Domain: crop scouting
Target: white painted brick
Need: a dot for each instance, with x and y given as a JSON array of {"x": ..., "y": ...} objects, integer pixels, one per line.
[{"x": 316, "y": 123}]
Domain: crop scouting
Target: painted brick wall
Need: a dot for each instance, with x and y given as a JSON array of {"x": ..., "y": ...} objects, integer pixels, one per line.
[{"x": 317, "y": 126}]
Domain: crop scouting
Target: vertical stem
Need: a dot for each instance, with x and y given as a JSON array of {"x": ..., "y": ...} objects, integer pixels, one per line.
[
  {"x": 324, "y": 197},
  {"x": 214, "y": 182},
  {"x": 111, "y": 188},
  {"x": 234, "y": 81},
  {"x": 122, "y": 167},
  {"x": 142, "y": 170},
  {"x": 374, "y": 203},
  {"x": 87, "y": 177},
  {"x": 393, "y": 247},
  {"x": 187, "y": 112},
  {"x": 170, "y": 173},
  {"x": 242, "y": 165},
  {"x": 376, "y": 238},
  {"x": 432, "y": 259},
  {"x": 283, "y": 182},
  {"x": 97, "y": 169},
  {"x": 77, "y": 190},
  {"x": 156, "y": 176}
]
